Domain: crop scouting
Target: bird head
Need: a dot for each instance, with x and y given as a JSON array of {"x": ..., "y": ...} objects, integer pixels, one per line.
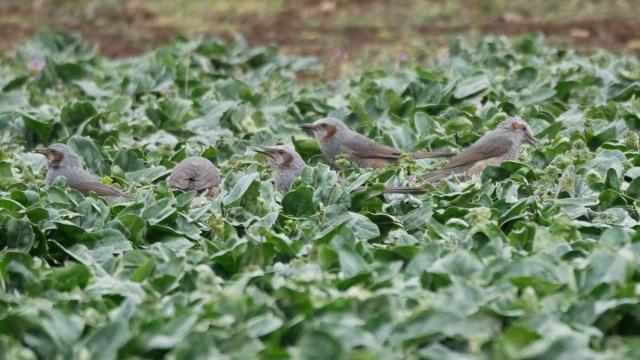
[
  {"x": 281, "y": 158},
  {"x": 521, "y": 128},
  {"x": 327, "y": 128},
  {"x": 60, "y": 155}
]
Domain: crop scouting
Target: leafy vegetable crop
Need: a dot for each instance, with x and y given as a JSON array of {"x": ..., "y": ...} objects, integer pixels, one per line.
[{"x": 535, "y": 259}]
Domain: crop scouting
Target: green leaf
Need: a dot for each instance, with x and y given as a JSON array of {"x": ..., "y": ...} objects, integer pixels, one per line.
[
  {"x": 364, "y": 228},
  {"x": 542, "y": 272},
  {"x": 495, "y": 173},
  {"x": 458, "y": 124},
  {"x": 513, "y": 341},
  {"x": 136, "y": 226},
  {"x": 299, "y": 203},
  {"x": 611, "y": 182},
  {"x": 539, "y": 95},
  {"x": 152, "y": 174},
  {"x": 319, "y": 345},
  {"x": 128, "y": 161},
  {"x": 263, "y": 325},
  {"x": 41, "y": 128},
  {"x": 11, "y": 101},
  {"x": 351, "y": 263},
  {"x": 16, "y": 235},
  {"x": 171, "y": 333},
  {"x": 633, "y": 191},
  {"x": 143, "y": 272},
  {"x": 159, "y": 211},
  {"x": 90, "y": 153},
  {"x": 240, "y": 188},
  {"x": 550, "y": 131},
  {"x": 305, "y": 147},
  {"x": 604, "y": 268},
  {"x": 105, "y": 342},
  {"x": 471, "y": 86},
  {"x": 445, "y": 323},
  {"x": 416, "y": 218},
  {"x": 90, "y": 88}
]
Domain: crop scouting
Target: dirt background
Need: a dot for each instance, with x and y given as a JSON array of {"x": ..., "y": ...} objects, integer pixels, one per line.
[{"x": 328, "y": 29}]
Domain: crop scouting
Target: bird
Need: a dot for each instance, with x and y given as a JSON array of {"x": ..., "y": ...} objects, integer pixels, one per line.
[
  {"x": 334, "y": 138},
  {"x": 196, "y": 173},
  {"x": 501, "y": 144},
  {"x": 62, "y": 160},
  {"x": 287, "y": 165}
]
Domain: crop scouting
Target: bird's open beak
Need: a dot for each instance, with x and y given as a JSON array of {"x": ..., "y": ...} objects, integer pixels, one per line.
[
  {"x": 42, "y": 151},
  {"x": 264, "y": 150},
  {"x": 308, "y": 126},
  {"x": 531, "y": 139}
]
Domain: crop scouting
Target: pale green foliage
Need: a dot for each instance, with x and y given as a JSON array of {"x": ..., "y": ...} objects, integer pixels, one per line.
[{"x": 535, "y": 259}]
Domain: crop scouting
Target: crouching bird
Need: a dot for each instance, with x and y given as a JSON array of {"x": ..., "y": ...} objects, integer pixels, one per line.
[
  {"x": 335, "y": 138},
  {"x": 196, "y": 173},
  {"x": 287, "y": 165},
  {"x": 62, "y": 160},
  {"x": 501, "y": 144}
]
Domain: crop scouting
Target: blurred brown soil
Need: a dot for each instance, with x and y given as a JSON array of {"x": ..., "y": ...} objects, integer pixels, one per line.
[{"x": 304, "y": 27}]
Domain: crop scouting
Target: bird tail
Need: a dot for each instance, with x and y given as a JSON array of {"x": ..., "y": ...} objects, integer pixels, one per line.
[
  {"x": 405, "y": 190},
  {"x": 409, "y": 190},
  {"x": 443, "y": 173},
  {"x": 429, "y": 155}
]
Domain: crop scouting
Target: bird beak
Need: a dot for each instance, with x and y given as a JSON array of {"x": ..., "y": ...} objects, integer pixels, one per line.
[
  {"x": 42, "y": 151},
  {"x": 531, "y": 139},
  {"x": 264, "y": 150},
  {"x": 308, "y": 126}
]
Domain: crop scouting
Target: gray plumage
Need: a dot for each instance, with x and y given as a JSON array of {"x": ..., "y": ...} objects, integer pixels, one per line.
[
  {"x": 501, "y": 144},
  {"x": 62, "y": 160},
  {"x": 287, "y": 165},
  {"x": 334, "y": 138},
  {"x": 196, "y": 173}
]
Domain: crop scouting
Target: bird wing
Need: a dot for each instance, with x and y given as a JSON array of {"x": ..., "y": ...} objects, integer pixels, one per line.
[
  {"x": 207, "y": 178},
  {"x": 180, "y": 179},
  {"x": 83, "y": 181},
  {"x": 197, "y": 169},
  {"x": 363, "y": 147},
  {"x": 481, "y": 150}
]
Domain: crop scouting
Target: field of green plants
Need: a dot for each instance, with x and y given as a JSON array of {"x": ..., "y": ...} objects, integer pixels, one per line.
[{"x": 535, "y": 259}]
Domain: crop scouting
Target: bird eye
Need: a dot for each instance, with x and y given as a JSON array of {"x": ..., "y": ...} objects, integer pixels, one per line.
[
  {"x": 281, "y": 152},
  {"x": 52, "y": 151},
  {"x": 324, "y": 125}
]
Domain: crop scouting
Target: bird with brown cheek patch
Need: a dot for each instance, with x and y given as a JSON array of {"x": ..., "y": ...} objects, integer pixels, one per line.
[
  {"x": 196, "y": 173},
  {"x": 331, "y": 130},
  {"x": 56, "y": 157},
  {"x": 335, "y": 138},
  {"x": 287, "y": 165},
  {"x": 501, "y": 144},
  {"x": 63, "y": 161}
]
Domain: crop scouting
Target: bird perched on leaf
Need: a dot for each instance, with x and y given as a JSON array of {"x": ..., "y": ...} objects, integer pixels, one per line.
[
  {"x": 334, "y": 138},
  {"x": 501, "y": 144},
  {"x": 287, "y": 165},
  {"x": 196, "y": 173},
  {"x": 62, "y": 160}
]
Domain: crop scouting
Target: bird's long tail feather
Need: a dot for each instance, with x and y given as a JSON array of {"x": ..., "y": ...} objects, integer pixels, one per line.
[
  {"x": 405, "y": 190},
  {"x": 429, "y": 155}
]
